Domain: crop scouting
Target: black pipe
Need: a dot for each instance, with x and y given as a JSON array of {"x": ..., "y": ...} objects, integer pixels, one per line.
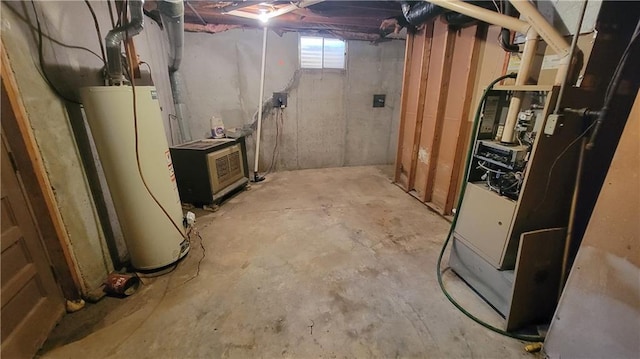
[
  {"x": 505, "y": 34},
  {"x": 460, "y": 20},
  {"x": 421, "y": 12}
]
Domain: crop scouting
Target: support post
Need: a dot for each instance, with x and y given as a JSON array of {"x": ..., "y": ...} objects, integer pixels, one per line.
[{"x": 257, "y": 178}]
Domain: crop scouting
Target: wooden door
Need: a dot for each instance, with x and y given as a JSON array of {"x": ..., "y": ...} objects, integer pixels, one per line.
[{"x": 31, "y": 299}]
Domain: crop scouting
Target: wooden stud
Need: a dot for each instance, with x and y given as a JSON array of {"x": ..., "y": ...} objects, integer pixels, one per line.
[
  {"x": 463, "y": 63},
  {"x": 425, "y": 58},
  {"x": 463, "y": 130},
  {"x": 439, "y": 88},
  {"x": 132, "y": 55},
  {"x": 403, "y": 106}
]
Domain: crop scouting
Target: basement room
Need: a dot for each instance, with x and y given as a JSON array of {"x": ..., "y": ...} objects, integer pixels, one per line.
[{"x": 320, "y": 179}]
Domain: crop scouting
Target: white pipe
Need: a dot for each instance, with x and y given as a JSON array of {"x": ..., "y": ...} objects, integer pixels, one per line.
[
  {"x": 485, "y": 15},
  {"x": 528, "y": 55},
  {"x": 264, "y": 61},
  {"x": 546, "y": 31},
  {"x": 533, "y": 19},
  {"x": 535, "y": 24},
  {"x": 549, "y": 34}
]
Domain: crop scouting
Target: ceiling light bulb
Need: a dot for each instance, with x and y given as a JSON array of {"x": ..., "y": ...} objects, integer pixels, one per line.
[{"x": 264, "y": 17}]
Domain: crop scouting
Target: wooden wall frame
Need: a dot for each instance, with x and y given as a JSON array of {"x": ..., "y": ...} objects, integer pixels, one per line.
[
  {"x": 37, "y": 185},
  {"x": 441, "y": 67}
]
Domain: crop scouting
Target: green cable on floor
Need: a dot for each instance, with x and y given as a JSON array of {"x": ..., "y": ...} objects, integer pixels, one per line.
[{"x": 476, "y": 121}]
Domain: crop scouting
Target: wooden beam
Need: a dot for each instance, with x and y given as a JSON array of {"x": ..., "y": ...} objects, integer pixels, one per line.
[
  {"x": 57, "y": 243},
  {"x": 463, "y": 129},
  {"x": 403, "y": 106},
  {"x": 444, "y": 44},
  {"x": 455, "y": 117},
  {"x": 132, "y": 55},
  {"x": 426, "y": 39}
]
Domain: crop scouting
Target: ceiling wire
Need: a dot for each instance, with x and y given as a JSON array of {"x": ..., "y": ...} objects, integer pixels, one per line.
[
  {"x": 41, "y": 59},
  {"x": 97, "y": 26}
]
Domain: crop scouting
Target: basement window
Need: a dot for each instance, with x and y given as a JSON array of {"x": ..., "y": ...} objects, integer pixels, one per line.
[{"x": 322, "y": 53}]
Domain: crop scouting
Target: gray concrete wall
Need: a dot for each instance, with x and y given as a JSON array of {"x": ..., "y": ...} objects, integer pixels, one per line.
[
  {"x": 329, "y": 120},
  {"x": 60, "y": 131}
]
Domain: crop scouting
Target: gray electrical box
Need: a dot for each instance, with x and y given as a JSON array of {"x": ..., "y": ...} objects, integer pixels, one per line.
[
  {"x": 379, "y": 100},
  {"x": 279, "y": 99}
]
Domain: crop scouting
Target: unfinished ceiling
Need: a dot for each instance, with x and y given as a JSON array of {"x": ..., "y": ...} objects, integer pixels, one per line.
[{"x": 345, "y": 19}]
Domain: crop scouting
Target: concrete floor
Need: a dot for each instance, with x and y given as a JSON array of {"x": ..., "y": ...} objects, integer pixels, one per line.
[{"x": 327, "y": 263}]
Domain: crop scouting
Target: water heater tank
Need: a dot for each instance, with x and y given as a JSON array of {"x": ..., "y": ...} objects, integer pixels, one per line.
[{"x": 153, "y": 241}]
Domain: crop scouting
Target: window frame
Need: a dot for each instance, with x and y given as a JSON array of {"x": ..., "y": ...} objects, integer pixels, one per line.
[{"x": 322, "y": 69}]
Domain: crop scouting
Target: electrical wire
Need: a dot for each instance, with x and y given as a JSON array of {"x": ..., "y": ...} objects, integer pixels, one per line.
[
  {"x": 495, "y": 189},
  {"x": 148, "y": 66},
  {"x": 98, "y": 32},
  {"x": 463, "y": 186},
  {"x": 510, "y": 48},
  {"x": 41, "y": 59},
  {"x": 555, "y": 162},
  {"x": 120, "y": 12},
  {"x": 204, "y": 254},
  {"x": 497, "y": 7},
  {"x": 276, "y": 150},
  {"x": 113, "y": 21},
  {"x": 484, "y": 167},
  {"x": 52, "y": 39},
  {"x": 137, "y": 148},
  {"x": 612, "y": 87}
]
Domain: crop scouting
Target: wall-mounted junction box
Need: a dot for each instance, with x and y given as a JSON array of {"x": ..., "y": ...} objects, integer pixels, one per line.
[
  {"x": 279, "y": 99},
  {"x": 378, "y": 100}
]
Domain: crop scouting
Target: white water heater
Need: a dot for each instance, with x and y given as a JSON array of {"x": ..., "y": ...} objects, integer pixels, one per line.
[{"x": 152, "y": 239}]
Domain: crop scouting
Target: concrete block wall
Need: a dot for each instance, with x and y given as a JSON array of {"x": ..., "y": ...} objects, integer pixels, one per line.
[{"x": 329, "y": 121}]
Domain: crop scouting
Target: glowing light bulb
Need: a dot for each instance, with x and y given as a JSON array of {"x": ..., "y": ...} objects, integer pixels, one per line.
[{"x": 263, "y": 16}]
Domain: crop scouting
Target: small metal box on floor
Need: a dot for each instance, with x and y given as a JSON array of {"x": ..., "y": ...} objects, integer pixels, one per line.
[{"x": 209, "y": 171}]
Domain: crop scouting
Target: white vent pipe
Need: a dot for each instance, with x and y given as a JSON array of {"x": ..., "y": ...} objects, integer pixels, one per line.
[
  {"x": 534, "y": 25},
  {"x": 256, "y": 178}
]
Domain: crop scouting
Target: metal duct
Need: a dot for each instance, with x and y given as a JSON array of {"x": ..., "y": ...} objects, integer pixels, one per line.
[
  {"x": 115, "y": 36},
  {"x": 505, "y": 34},
  {"x": 458, "y": 20},
  {"x": 420, "y": 12},
  {"x": 172, "y": 13}
]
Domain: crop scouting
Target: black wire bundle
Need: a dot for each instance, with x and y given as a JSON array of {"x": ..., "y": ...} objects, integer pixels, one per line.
[
  {"x": 41, "y": 59},
  {"x": 279, "y": 123}
]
